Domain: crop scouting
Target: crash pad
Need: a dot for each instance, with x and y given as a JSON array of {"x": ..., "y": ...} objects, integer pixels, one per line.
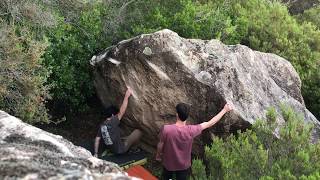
[{"x": 140, "y": 172}]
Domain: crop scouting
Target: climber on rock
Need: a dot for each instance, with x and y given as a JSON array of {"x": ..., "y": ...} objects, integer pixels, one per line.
[
  {"x": 109, "y": 130},
  {"x": 174, "y": 147}
]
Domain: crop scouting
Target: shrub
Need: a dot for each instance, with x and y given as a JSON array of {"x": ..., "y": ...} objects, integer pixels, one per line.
[
  {"x": 72, "y": 44},
  {"x": 267, "y": 151},
  {"x": 22, "y": 75},
  {"x": 311, "y": 15},
  {"x": 198, "y": 170}
]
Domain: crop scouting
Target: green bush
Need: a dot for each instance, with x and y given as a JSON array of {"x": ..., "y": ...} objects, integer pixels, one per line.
[
  {"x": 198, "y": 170},
  {"x": 311, "y": 15},
  {"x": 312, "y": 92},
  {"x": 72, "y": 44},
  {"x": 190, "y": 19},
  {"x": 267, "y": 151},
  {"x": 22, "y": 74}
]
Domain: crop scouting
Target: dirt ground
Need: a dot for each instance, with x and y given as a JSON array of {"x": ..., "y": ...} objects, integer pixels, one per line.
[{"x": 82, "y": 127}]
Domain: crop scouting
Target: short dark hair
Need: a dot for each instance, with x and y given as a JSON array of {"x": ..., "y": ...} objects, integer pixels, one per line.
[
  {"x": 111, "y": 110},
  {"x": 183, "y": 111}
]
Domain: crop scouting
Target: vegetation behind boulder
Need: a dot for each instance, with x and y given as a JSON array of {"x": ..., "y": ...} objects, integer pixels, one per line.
[
  {"x": 22, "y": 75},
  {"x": 267, "y": 151},
  {"x": 49, "y": 43}
]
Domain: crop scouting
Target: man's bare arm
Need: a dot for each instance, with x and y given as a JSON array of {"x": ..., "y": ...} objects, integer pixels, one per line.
[
  {"x": 96, "y": 146},
  {"x": 124, "y": 105},
  {"x": 216, "y": 118}
]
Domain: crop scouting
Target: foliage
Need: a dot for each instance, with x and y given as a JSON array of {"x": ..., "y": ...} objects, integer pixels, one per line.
[
  {"x": 270, "y": 150},
  {"x": 190, "y": 19},
  {"x": 311, "y": 15},
  {"x": 27, "y": 13},
  {"x": 72, "y": 44},
  {"x": 22, "y": 75},
  {"x": 312, "y": 92},
  {"x": 198, "y": 170}
]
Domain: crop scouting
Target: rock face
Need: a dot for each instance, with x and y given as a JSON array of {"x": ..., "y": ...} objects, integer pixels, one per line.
[
  {"x": 164, "y": 69},
  {"x": 27, "y": 152}
]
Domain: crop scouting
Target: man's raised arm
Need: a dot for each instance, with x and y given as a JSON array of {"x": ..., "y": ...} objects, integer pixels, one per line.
[
  {"x": 228, "y": 107},
  {"x": 124, "y": 103}
]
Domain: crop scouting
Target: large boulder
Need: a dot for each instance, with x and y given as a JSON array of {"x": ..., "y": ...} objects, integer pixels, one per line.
[
  {"x": 27, "y": 152},
  {"x": 164, "y": 69}
]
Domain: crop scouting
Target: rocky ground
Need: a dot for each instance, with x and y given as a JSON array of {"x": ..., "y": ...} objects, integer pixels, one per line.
[
  {"x": 82, "y": 127},
  {"x": 27, "y": 152}
]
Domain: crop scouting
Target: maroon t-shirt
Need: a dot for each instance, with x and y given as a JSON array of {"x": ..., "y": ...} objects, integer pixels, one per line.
[{"x": 177, "y": 145}]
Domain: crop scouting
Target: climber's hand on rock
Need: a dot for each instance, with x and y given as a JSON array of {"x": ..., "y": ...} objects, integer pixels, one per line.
[
  {"x": 228, "y": 107},
  {"x": 129, "y": 92}
]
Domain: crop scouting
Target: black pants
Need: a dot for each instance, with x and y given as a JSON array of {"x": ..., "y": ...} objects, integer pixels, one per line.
[{"x": 180, "y": 175}]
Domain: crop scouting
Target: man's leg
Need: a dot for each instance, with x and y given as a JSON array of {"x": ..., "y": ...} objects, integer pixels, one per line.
[
  {"x": 166, "y": 175},
  {"x": 183, "y": 174},
  {"x": 132, "y": 139}
]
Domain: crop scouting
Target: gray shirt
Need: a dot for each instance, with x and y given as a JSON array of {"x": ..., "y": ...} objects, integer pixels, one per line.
[{"x": 110, "y": 132}]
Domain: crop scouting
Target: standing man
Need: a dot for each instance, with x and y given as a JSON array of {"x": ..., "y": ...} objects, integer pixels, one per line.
[
  {"x": 174, "y": 147},
  {"x": 110, "y": 132}
]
